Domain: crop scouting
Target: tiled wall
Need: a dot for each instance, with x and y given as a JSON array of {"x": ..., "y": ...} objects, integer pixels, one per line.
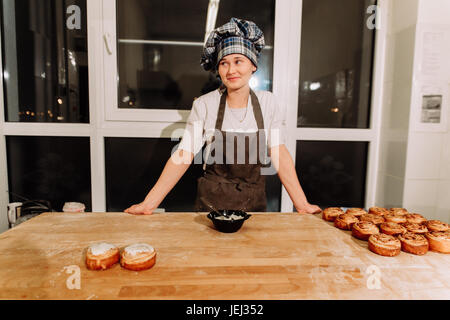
[
  {"x": 427, "y": 179},
  {"x": 414, "y": 164}
]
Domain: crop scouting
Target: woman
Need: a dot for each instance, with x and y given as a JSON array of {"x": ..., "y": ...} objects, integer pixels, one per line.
[{"x": 236, "y": 141}]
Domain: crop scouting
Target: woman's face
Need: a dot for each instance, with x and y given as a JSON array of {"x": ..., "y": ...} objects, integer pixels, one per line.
[{"x": 235, "y": 70}]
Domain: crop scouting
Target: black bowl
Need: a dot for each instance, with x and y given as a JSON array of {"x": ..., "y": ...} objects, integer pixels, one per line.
[{"x": 231, "y": 225}]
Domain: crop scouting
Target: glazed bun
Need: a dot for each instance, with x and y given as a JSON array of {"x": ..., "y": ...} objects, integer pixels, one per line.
[
  {"x": 414, "y": 243},
  {"x": 357, "y": 212},
  {"x": 363, "y": 230},
  {"x": 415, "y": 218},
  {"x": 395, "y": 217},
  {"x": 137, "y": 257},
  {"x": 101, "y": 256},
  {"x": 345, "y": 221},
  {"x": 330, "y": 214},
  {"x": 378, "y": 211},
  {"x": 374, "y": 218},
  {"x": 384, "y": 245},
  {"x": 416, "y": 228},
  {"x": 436, "y": 225},
  {"x": 439, "y": 241},
  {"x": 392, "y": 228},
  {"x": 400, "y": 211}
]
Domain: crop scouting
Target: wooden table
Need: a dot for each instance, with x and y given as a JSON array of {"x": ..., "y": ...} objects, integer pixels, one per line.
[{"x": 273, "y": 256}]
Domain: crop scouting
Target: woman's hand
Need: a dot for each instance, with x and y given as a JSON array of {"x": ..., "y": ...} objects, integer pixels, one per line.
[
  {"x": 175, "y": 168},
  {"x": 143, "y": 208},
  {"x": 308, "y": 209}
]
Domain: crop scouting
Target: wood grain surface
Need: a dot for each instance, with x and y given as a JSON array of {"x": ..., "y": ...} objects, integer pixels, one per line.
[{"x": 273, "y": 256}]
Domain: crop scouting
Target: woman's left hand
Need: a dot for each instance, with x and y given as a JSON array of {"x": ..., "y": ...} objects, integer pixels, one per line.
[{"x": 308, "y": 209}]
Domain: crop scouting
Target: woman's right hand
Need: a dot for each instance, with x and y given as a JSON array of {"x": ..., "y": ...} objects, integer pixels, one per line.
[
  {"x": 143, "y": 208},
  {"x": 171, "y": 174}
]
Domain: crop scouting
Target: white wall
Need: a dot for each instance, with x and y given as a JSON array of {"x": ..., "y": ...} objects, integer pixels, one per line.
[
  {"x": 414, "y": 167},
  {"x": 400, "y": 43}
]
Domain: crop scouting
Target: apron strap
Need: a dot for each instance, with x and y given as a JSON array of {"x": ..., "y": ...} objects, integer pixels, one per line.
[
  {"x": 221, "y": 112},
  {"x": 257, "y": 110}
]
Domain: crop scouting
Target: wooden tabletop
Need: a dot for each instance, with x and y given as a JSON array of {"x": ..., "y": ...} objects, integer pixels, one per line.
[{"x": 273, "y": 256}]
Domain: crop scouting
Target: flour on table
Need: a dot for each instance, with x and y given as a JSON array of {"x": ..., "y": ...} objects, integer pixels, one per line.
[{"x": 232, "y": 217}]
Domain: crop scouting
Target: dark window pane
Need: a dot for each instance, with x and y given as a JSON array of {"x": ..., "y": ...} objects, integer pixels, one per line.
[
  {"x": 57, "y": 169},
  {"x": 168, "y": 75},
  {"x": 333, "y": 173},
  {"x": 273, "y": 193},
  {"x": 133, "y": 165},
  {"x": 45, "y": 61},
  {"x": 336, "y": 64}
]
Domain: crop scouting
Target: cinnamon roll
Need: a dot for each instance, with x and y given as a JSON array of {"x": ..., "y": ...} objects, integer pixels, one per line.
[
  {"x": 401, "y": 211},
  {"x": 101, "y": 256},
  {"x": 378, "y": 211},
  {"x": 384, "y": 245},
  {"x": 414, "y": 243},
  {"x": 439, "y": 241},
  {"x": 416, "y": 228},
  {"x": 364, "y": 229},
  {"x": 392, "y": 228},
  {"x": 395, "y": 217},
  {"x": 415, "y": 218},
  {"x": 374, "y": 218},
  {"x": 345, "y": 221},
  {"x": 330, "y": 214},
  {"x": 138, "y": 257},
  {"x": 357, "y": 212},
  {"x": 436, "y": 225}
]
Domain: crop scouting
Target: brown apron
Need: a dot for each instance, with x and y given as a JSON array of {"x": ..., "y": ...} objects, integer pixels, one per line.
[{"x": 236, "y": 183}]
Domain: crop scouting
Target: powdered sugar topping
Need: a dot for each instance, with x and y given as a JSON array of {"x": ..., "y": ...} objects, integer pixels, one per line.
[
  {"x": 100, "y": 248},
  {"x": 139, "y": 247}
]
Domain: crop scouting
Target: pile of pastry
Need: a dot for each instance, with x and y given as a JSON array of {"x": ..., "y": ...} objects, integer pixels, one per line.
[
  {"x": 136, "y": 257},
  {"x": 390, "y": 231}
]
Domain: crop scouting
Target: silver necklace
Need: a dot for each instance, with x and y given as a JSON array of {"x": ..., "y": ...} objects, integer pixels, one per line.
[{"x": 245, "y": 115}]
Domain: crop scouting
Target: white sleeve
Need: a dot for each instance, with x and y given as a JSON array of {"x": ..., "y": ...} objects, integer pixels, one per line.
[
  {"x": 193, "y": 137},
  {"x": 277, "y": 127}
]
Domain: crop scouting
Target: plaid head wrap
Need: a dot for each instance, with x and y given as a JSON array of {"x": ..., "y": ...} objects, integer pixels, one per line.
[{"x": 236, "y": 36}]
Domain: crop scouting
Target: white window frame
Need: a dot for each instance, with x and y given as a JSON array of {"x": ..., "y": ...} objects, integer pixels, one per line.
[
  {"x": 107, "y": 120},
  {"x": 291, "y": 75},
  {"x": 113, "y": 112}
]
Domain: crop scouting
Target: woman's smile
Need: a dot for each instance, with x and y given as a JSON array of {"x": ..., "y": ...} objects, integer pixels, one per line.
[{"x": 235, "y": 70}]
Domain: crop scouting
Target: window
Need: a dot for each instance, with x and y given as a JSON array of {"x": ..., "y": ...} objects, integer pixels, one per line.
[
  {"x": 336, "y": 64},
  {"x": 133, "y": 165},
  {"x": 337, "y": 105},
  {"x": 333, "y": 173},
  {"x": 45, "y": 61},
  {"x": 160, "y": 44},
  {"x": 56, "y": 169},
  {"x": 134, "y": 42}
]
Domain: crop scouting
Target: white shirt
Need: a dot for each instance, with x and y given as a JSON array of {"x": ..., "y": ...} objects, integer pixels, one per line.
[{"x": 202, "y": 120}]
